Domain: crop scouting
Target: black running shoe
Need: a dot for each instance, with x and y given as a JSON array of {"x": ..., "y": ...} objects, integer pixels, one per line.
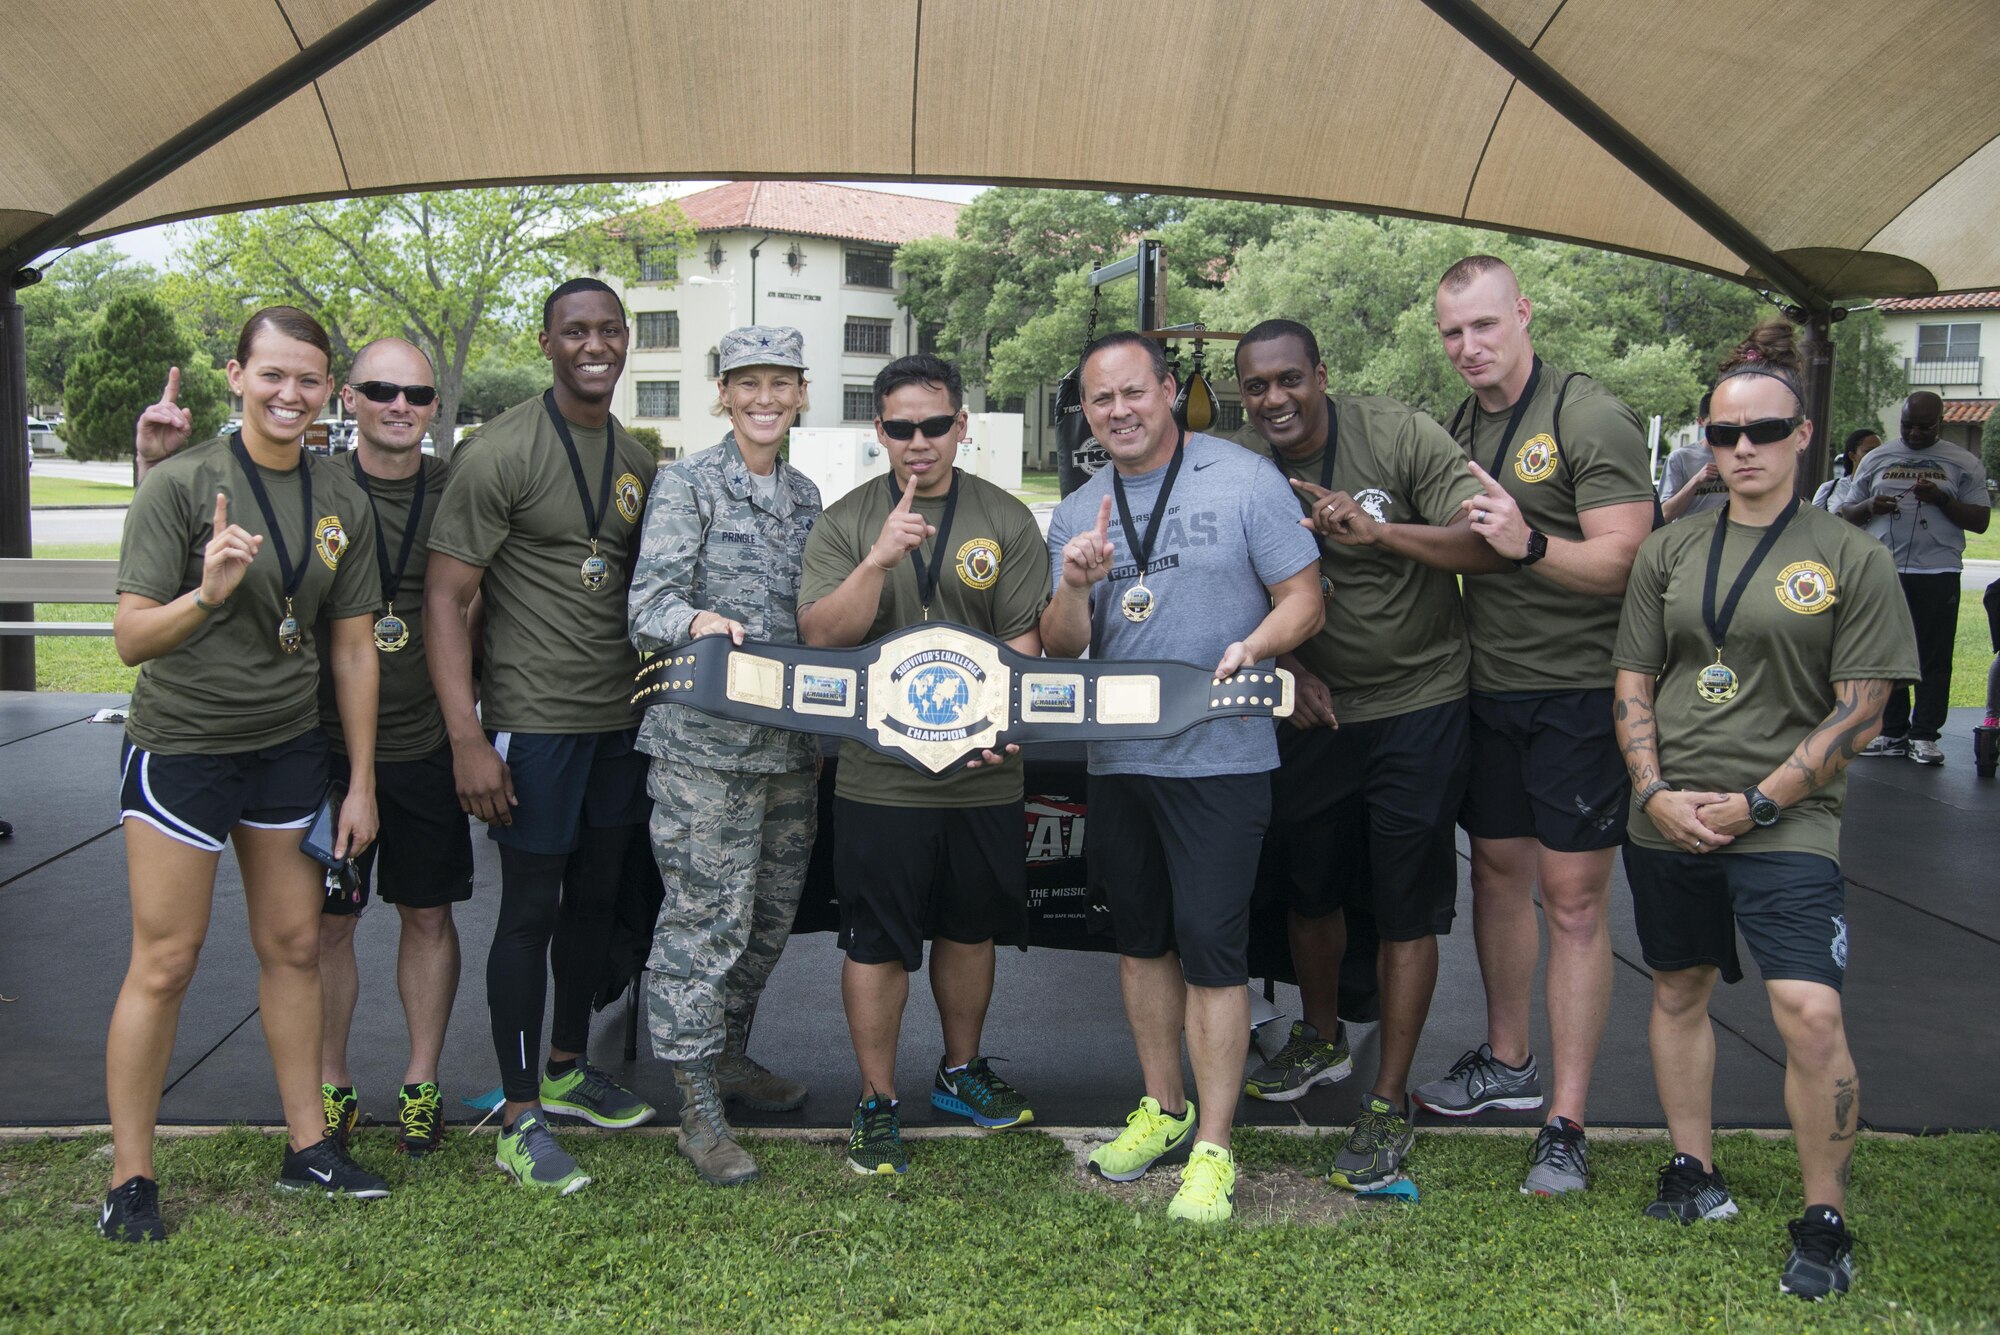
[
  {"x": 1822, "y": 1259},
  {"x": 132, "y": 1212},
  {"x": 324, "y": 1166},
  {"x": 1689, "y": 1194}
]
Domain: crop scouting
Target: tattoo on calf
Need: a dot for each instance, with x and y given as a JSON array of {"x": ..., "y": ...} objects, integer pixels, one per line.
[{"x": 1844, "y": 1092}]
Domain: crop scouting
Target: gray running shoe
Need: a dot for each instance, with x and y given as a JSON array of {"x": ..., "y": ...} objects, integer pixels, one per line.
[
  {"x": 1559, "y": 1162},
  {"x": 1886, "y": 746},
  {"x": 1926, "y": 751},
  {"x": 1477, "y": 1081},
  {"x": 1305, "y": 1060},
  {"x": 1376, "y": 1147}
]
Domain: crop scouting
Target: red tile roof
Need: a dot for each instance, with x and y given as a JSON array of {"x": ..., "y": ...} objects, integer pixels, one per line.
[
  {"x": 1954, "y": 301},
  {"x": 814, "y": 208},
  {"x": 1969, "y": 410}
]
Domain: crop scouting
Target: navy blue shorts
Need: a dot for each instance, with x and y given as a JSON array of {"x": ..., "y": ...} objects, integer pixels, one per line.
[
  {"x": 423, "y": 841},
  {"x": 1790, "y": 907},
  {"x": 1546, "y": 767},
  {"x": 199, "y": 799},
  {"x": 566, "y": 781}
]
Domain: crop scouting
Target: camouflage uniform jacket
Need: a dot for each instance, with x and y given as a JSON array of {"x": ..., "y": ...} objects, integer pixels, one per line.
[{"x": 710, "y": 544}]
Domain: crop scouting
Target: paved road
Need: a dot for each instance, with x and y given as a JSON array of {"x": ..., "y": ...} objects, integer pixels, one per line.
[
  {"x": 76, "y": 526},
  {"x": 112, "y": 471}
]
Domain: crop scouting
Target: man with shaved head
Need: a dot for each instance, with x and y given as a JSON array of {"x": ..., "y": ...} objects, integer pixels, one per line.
[{"x": 1920, "y": 495}]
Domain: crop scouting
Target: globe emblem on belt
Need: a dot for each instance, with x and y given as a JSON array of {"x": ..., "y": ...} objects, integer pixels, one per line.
[{"x": 938, "y": 695}]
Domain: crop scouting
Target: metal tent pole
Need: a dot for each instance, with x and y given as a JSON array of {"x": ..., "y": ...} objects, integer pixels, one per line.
[{"x": 17, "y": 652}]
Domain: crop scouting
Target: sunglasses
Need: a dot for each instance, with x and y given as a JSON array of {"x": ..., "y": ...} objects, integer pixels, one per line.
[
  {"x": 933, "y": 427},
  {"x": 385, "y": 391},
  {"x": 1767, "y": 432}
]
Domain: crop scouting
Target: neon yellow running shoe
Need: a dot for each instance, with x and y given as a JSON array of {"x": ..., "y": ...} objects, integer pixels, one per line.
[
  {"x": 342, "y": 1107},
  {"x": 1208, "y": 1187},
  {"x": 1149, "y": 1136}
]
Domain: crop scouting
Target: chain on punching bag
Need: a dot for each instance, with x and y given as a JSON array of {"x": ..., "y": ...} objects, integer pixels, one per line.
[{"x": 1194, "y": 406}]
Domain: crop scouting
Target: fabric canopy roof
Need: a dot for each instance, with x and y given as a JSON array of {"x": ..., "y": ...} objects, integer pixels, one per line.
[{"x": 1858, "y": 141}]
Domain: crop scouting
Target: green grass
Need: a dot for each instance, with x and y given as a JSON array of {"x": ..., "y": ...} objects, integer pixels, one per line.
[
  {"x": 1040, "y": 487},
  {"x": 75, "y": 491},
  {"x": 82, "y": 663},
  {"x": 983, "y": 1235},
  {"x": 1983, "y": 546}
]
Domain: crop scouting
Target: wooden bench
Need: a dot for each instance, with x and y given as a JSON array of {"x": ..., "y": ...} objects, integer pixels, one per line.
[{"x": 57, "y": 581}]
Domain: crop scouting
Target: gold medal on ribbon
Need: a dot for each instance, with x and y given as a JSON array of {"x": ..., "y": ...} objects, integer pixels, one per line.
[
  {"x": 391, "y": 631},
  {"x": 1138, "y": 603},
  {"x": 1717, "y": 682},
  {"x": 596, "y": 570},
  {"x": 289, "y": 635}
]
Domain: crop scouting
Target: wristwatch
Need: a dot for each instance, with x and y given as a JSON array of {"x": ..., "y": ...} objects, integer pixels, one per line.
[
  {"x": 1652, "y": 790},
  {"x": 1538, "y": 547},
  {"x": 1763, "y": 811}
]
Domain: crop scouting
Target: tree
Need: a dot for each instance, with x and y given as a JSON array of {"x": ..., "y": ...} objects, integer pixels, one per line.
[
  {"x": 500, "y": 377},
  {"x": 1867, "y": 375},
  {"x": 62, "y": 311},
  {"x": 443, "y": 269},
  {"x": 123, "y": 369}
]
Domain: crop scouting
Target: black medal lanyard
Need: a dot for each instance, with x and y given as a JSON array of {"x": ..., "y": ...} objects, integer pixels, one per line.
[
  {"x": 391, "y": 632},
  {"x": 291, "y": 577},
  {"x": 595, "y": 571},
  {"x": 1143, "y": 548},
  {"x": 1513, "y": 418},
  {"x": 927, "y": 576},
  {"x": 1718, "y": 626},
  {"x": 1326, "y": 456}
]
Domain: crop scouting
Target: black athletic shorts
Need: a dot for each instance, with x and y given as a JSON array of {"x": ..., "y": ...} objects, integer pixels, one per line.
[
  {"x": 1176, "y": 861},
  {"x": 905, "y": 873},
  {"x": 566, "y": 781},
  {"x": 1365, "y": 814},
  {"x": 1546, "y": 767},
  {"x": 1791, "y": 907},
  {"x": 423, "y": 840},
  {"x": 199, "y": 799}
]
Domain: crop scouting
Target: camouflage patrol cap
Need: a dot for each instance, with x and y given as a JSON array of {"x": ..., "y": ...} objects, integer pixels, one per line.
[{"x": 762, "y": 345}]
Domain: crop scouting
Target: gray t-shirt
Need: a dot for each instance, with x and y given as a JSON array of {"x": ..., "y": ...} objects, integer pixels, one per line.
[
  {"x": 1920, "y": 537},
  {"x": 1231, "y": 529},
  {"x": 1681, "y": 467}
]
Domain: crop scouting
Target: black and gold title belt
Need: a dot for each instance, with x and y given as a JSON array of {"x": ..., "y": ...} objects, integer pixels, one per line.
[{"x": 936, "y": 695}]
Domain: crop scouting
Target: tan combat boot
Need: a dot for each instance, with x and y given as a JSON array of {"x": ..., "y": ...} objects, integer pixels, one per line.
[
  {"x": 749, "y": 1084},
  {"x": 705, "y": 1138}
]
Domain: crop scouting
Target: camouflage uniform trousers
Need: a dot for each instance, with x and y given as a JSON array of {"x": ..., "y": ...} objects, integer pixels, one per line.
[{"x": 732, "y": 849}]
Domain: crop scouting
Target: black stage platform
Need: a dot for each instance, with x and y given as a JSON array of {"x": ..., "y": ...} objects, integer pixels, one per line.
[{"x": 1921, "y": 850}]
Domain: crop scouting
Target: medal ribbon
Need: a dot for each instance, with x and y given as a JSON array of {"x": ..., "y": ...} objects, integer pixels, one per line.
[
  {"x": 1514, "y": 418},
  {"x": 393, "y": 579},
  {"x": 292, "y": 576},
  {"x": 593, "y": 515},
  {"x": 1718, "y": 626},
  {"x": 927, "y": 577},
  {"x": 1143, "y": 549}
]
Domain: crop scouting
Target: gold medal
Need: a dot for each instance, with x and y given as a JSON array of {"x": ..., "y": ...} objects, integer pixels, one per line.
[
  {"x": 391, "y": 631},
  {"x": 289, "y": 636},
  {"x": 1717, "y": 682},
  {"x": 596, "y": 570},
  {"x": 1138, "y": 603}
]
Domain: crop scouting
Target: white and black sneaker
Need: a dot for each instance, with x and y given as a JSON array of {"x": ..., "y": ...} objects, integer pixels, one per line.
[
  {"x": 324, "y": 1166},
  {"x": 131, "y": 1212},
  {"x": 1478, "y": 1081},
  {"x": 1822, "y": 1259},
  {"x": 1885, "y": 745},
  {"x": 1689, "y": 1194},
  {"x": 1560, "y": 1161}
]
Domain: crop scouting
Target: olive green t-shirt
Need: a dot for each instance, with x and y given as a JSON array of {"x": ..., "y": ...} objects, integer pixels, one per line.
[
  {"x": 1824, "y": 606},
  {"x": 1394, "y": 639},
  {"x": 556, "y": 656},
  {"x": 1528, "y": 632},
  {"x": 229, "y": 686},
  {"x": 995, "y": 579},
  {"x": 408, "y": 723}
]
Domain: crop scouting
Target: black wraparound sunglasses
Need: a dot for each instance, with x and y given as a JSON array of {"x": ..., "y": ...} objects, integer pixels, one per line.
[
  {"x": 1770, "y": 431},
  {"x": 933, "y": 427},
  {"x": 385, "y": 391}
]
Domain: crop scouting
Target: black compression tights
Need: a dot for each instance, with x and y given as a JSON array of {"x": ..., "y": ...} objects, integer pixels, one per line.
[{"x": 547, "y": 897}]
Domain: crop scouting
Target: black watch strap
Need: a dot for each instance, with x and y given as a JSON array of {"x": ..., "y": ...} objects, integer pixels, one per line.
[
  {"x": 936, "y": 694},
  {"x": 1764, "y": 811},
  {"x": 1538, "y": 547}
]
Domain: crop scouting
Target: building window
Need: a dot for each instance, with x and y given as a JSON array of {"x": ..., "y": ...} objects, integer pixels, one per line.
[
  {"x": 656, "y": 264},
  {"x": 1228, "y": 415},
  {"x": 927, "y": 339},
  {"x": 1017, "y": 404},
  {"x": 857, "y": 403},
  {"x": 659, "y": 398},
  {"x": 659, "y": 329},
  {"x": 869, "y": 338},
  {"x": 870, "y": 268},
  {"x": 1947, "y": 342},
  {"x": 714, "y": 364},
  {"x": 1055, "y": 413}
]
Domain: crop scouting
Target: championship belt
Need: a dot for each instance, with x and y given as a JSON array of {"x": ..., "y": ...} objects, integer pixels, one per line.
[{"x": 937, "y": 694}]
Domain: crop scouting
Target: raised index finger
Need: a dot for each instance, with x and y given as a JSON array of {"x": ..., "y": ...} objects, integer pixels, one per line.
[
  {"x": 221, "y": 513},
  {"x": 1486, "y": 480},
  {"x": 907, "y": 499},
  {"x": 1104, "y": 518},
  {"x": 1310, "y": 489},
  {"x": 173, "y": 389}
]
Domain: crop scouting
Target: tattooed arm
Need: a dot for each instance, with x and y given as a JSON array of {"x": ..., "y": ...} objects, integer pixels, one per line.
[
  {"x": 1851, "y": 724},
  {"x": 1675, "y": 814}
]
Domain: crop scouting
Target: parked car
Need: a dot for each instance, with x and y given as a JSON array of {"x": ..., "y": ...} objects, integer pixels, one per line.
[{"x": 43, "y": 440}]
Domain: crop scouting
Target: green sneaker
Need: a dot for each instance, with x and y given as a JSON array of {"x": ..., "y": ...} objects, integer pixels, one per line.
[
  {"x": 343, "y": 1112},
  {"x": 1149, "y": 1136},
  {"x": 977, "y": 1093},
  {"x": 1305, "y": 1060},
  {"x": 417, "y": 1112},
  {"x": 1376, "y": 1147},
  {"x": 586, "y": 1092},
  {"x": 1208, "y": 1187},
  {"x": 529, "y": 1154},
  {"x": 875, "y": 1139}
]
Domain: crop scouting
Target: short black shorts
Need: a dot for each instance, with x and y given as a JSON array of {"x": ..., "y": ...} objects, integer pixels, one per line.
[
  {"x": 199, "y": 799},
  {"x": 905, "y": 873},
  {"x": 1791, "y": 907},
  {"x": 1546, "y": 767},
  {"x": 423, "y": 841},
  {"x": 1176, "y": 861},
  {"x": 1365, "y": 814},
  {"x": 566, "y": 781}
]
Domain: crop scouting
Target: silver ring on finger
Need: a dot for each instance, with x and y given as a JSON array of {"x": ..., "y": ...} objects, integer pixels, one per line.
[
  {"x": 1479, "y": 516},
  {"x": 1699, "y": 845}
]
